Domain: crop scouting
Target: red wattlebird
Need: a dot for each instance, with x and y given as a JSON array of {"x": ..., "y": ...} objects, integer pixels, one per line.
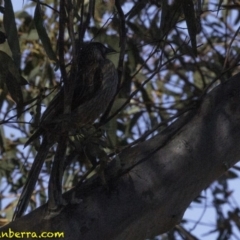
[{"x": 92, "y": 94}]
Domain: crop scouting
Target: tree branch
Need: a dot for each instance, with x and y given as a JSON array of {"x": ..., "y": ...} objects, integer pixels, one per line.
[{"x": 170, "y": 170}]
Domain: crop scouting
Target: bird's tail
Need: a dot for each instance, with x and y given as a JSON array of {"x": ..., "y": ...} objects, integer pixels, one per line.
[{"x": 32, "y": 178}]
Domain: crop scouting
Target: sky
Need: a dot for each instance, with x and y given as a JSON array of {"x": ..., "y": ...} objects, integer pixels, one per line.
[{"x": 18, "y": 4}]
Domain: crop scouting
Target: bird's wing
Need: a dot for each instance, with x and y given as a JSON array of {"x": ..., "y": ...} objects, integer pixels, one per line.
[
  {"x": 100, "y": 97},
  {"x": 87, "y": 88},
  {"x": 110, "y": 77},
  {"x": 54, "y": 109},
  {"x": 97, "y": 82}
]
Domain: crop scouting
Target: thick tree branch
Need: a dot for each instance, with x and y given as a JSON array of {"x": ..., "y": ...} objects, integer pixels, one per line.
[{"x": 169, "y": 171}]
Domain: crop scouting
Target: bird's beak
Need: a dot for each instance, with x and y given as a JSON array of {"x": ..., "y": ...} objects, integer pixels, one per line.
[{"x": 110, "y": 50}]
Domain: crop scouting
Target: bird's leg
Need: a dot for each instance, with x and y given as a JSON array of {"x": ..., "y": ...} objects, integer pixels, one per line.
[
  {"x": 94, "y": 151},
  {"x": 56, "y": 203},
  {"x": 101, "y": 171}
]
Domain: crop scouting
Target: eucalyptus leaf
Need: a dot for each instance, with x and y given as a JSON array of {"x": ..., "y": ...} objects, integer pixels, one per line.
[{"x": 42, "y": 33}]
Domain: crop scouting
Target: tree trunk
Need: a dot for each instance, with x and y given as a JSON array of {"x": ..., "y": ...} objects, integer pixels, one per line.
[{"x": 152, "y": 183}]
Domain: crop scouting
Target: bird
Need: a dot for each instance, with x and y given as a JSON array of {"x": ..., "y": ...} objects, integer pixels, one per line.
[{"x": 94, "y": 88}]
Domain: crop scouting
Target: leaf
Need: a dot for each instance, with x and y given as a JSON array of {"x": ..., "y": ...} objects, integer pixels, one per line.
[
  {"x": 7, "y": 65},
  {"x": 10, "y": 75},
  {"x": 43, "y": 33},
  {"x": 23, "y": 81},
  {"x": 231, "y": 175},
  {"x": 169, "y": 17},
  {"x": 4, "y": 60},
  {"x": 2, "y": 9},
  {"x": 219, "y": 201},
  {"x": 134, "y": 119},
  {"x": 219, "y": 5},
  {"x": 236, "y": 167},
  {"x": 189, "y": 12},
  {"x": 146, "y": 99},
  {"x": 2, "y": 148},
  {"x": 3, "y": 37},
  {"x": 11, "y": 31},
  {"x": 14, "y": 89},
  {"x": 31, "y": 36},
  {"x": 136, "y": 9}
]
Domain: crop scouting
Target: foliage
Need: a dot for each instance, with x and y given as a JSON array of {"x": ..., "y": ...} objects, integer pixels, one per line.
[{"x": 170, "y": 54}]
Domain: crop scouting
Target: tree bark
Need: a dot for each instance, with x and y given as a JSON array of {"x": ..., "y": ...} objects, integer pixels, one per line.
[{"x": 152, "y": 183}]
